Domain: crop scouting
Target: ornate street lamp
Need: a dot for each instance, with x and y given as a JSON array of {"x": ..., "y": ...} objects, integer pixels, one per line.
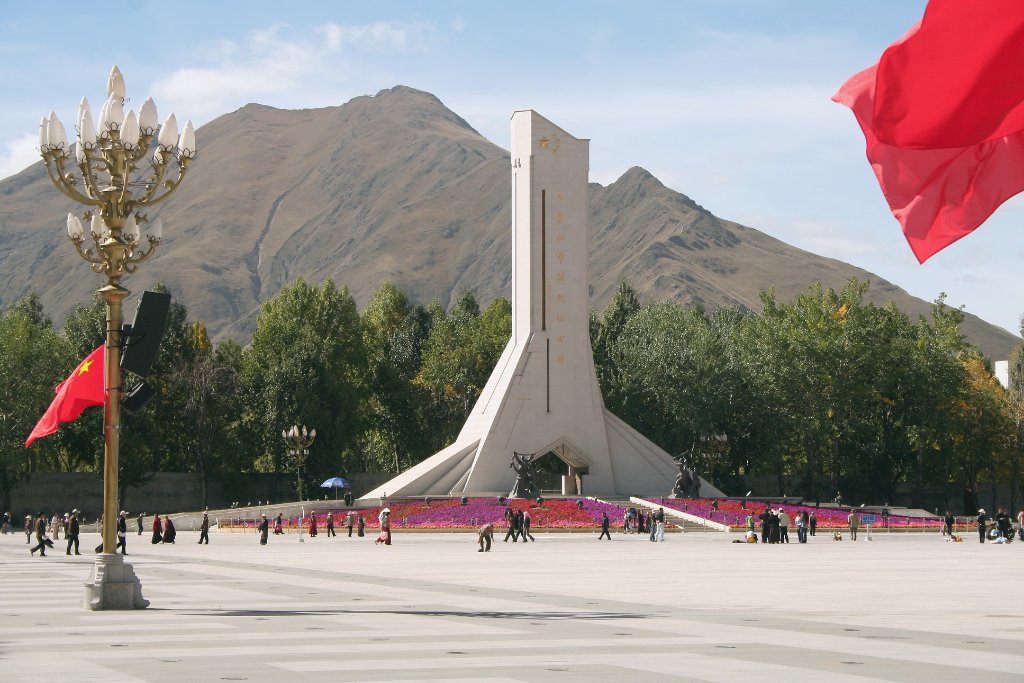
[
  {"x": 117, "y": 185},
  {"x": 298, "y": 442}
]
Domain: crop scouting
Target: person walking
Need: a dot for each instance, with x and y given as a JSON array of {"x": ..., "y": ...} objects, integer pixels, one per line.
[
  {"x": 982, "y": 523},
  {"x": 512, "y": 519},
  {"x": 384, "y": 520},
  {"x": 853, "y": 519},
  {"x": 278, "y": 525},
  {"x": 264, "y": 529},
  {"x": 659, "y": 525},
  {"x": 484, "y": 536},
  {"x": 158, "y": 528},
  {"x": 604, "y": 527},
  {"x": 72, "y": 532},
  {"x": 138, "y": 522},
  {"x": 526, "y": 527},
  {"x": 122, "y": 533},
  {"x": 204, "y": 530},
  {"x": 783, "y": 526},
  {"x": 361, "y": 526},
  {"x": 5, "y": 527},
  {"x": 812, "y": 523},
  {"x": 56, "y": 524},
  {"x": 801, "y": 526},
  {"x": 41, "y": 539},
  {"x": 330, "y": 525},
  {"x": 170, "y": 533},
  {"x": 350, "y": 519}
]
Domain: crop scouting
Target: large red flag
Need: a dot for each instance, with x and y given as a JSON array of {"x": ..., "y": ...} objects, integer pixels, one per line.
[
  {"x": 958, "y": 80},
  {"x": 937, "y": 195},
  {"x": 83, "y": 388}
]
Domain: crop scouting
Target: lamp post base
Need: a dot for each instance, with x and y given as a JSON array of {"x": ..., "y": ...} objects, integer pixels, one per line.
[{"x": 113, "y": 585}]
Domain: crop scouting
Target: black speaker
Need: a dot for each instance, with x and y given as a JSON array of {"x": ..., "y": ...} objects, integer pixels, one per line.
[
  {"x": 138, "y": 398},
  {"x": 142, "y": 341}
]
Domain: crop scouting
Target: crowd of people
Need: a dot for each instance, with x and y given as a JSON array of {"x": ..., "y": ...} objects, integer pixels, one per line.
[
  {"x": 998, "y": 529},
  {"x": 354, "y": 521},
  {"x": 43, "y": 527},
  {"x": 774, "y": 524}
]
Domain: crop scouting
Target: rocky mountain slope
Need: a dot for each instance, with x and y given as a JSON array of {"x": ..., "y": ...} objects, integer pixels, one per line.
[{"x": 398, "y": 187}]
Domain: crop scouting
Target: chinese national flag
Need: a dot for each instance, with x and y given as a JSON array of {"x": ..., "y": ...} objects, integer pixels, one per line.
[
  {"x": 943, "y": 117},
  {"x": 83, "y": 388},
  {"x": 958, "y": 80}
]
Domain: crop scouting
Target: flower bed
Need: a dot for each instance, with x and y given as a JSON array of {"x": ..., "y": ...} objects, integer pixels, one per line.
[
  {"x": 449, "y": 513},
  {"x": 730, "y": 512}
]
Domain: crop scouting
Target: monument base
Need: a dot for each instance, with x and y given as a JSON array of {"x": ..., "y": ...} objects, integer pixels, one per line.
[{"x": 113, "y": 585}]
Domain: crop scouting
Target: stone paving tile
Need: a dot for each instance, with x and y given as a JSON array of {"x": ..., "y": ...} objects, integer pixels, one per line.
[{"x": 903, "y": 608}]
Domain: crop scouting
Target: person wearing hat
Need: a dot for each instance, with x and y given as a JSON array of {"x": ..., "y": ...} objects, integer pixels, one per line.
[
  {"x": 29, "y": 526},
  {"x": 264, "y": 529},
  {"x": 72, "y": 532},
  {"x": 384, "y": 519},
  {"x": 122, "y": 533},
  {"x": 982, "y": 523},
  {"x": 204, "y": 530}
]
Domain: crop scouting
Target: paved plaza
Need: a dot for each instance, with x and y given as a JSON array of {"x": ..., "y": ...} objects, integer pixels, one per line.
[{"x": 903, "y": 607}]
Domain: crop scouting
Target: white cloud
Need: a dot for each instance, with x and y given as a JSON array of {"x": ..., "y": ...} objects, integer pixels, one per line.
[
  {"x": 18, "y": 154},
  {"x": 279, "y": 60}
]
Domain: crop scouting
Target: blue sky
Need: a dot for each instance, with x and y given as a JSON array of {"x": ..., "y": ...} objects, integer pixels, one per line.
[{"x": 726, "y": 101}]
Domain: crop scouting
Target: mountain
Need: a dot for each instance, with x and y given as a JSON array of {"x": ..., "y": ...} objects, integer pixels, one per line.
[{"x": 398, "y": 187}]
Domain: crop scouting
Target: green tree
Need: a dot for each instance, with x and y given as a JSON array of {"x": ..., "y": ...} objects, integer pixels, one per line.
[
  {"x": 307, "y": 364},
  {"x": 33, "y": 360},
  {"x": 458, "y": 357}
]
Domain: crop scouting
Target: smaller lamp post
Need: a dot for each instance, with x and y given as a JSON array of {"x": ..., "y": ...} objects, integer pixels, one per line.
[{"x": 298, "y": 442}]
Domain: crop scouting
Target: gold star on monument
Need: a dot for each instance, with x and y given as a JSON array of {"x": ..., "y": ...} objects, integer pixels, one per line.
[{"x": 543, "y": 143}]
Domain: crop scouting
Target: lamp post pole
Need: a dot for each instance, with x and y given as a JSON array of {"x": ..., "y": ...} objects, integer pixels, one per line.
[
  {"x": 298, "y": 442},
  {"x": 116, "y": 193}
]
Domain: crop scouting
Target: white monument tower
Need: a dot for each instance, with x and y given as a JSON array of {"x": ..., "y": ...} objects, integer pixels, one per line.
[{"x": 543, "y": 396}]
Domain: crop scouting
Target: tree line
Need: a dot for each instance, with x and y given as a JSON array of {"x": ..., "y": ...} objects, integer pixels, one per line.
[{"x": 828, "y": 393}]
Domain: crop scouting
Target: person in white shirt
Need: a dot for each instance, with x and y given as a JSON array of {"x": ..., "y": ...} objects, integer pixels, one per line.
[{"x": 783, "y": 526}]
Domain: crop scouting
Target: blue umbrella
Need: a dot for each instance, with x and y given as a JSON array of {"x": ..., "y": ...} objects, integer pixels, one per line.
[{"x": 335, "y": 483}]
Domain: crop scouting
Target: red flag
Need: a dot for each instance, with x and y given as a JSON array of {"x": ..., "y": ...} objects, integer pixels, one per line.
[
  {"x": 937, "y": 195},
  {"x": 958, "y": 80},
  {"x": 83, "y": 388}
]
